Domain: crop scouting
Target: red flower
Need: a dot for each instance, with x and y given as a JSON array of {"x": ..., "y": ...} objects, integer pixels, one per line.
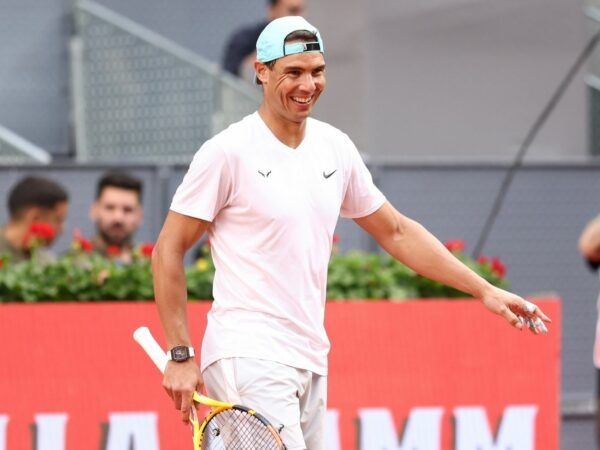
[
  {"x": 455, "y": 245},
  {"x": 39, "y": 233},
  {"x": 498, "y": 267},
  {"x": 146, "y": 249},
  {"x": 86, "y": 245},
  {"x": 113, "y": 250},
  {"x": 81, "y": 243},
  {"x": 42, "y": 230},
  {"x": 1, "y": 263},
  {"x": 482, "y": 260}
]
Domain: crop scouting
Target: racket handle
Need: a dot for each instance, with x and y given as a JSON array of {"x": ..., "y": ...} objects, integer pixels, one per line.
[{"x": 143, "y": 337}]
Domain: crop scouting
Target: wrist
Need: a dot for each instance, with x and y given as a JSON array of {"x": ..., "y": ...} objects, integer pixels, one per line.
[{"x": 482, "y": 290}]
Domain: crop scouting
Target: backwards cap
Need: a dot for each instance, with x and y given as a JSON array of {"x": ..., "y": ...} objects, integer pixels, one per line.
[{"x": 271, "y": 42}]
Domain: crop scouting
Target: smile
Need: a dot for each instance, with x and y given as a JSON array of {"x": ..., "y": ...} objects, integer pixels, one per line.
[{"x": 302, "y": 100}]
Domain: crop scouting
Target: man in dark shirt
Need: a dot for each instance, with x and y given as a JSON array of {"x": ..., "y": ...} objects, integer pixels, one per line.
[{"x": 240, "y": 48}]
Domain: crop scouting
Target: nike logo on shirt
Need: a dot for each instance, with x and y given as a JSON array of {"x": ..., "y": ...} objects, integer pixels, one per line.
[{"x": 327, "y": 175}]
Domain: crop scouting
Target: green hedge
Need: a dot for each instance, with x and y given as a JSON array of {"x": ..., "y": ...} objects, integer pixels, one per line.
[{"x": 81, "y": 275}]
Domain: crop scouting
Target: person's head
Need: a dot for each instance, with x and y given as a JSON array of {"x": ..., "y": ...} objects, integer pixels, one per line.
[
  {"x": 38, "y": 199},
  {"x": 117, "y": 210},
  {"x": 282, "y": 8},
  {"x": 291, "y": 67}
]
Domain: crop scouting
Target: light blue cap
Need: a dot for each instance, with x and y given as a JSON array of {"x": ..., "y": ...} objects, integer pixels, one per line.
[{"x": 271, "y": 42}]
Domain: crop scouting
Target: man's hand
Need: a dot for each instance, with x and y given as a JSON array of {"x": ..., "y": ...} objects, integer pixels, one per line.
[
  {"x": 180, "y": 381},
  {"x": 516, "y": 310}
]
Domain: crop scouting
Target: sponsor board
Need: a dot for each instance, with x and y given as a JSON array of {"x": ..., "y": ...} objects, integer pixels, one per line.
[{"x": 427, "y": 375}]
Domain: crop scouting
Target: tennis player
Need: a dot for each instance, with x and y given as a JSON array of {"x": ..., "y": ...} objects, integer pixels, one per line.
[{"x": 269, "y": 190}]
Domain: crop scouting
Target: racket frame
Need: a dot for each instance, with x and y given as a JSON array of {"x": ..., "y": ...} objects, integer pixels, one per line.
[{"x": 246, "y": 410}]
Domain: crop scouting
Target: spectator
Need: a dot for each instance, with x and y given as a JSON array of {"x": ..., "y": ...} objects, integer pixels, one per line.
[
  {"x": 240, "y": 50},
  {"x": 589, "y": 246},
  {"x": 117, "y": 213},
  {"x": 37, "y": 210}
]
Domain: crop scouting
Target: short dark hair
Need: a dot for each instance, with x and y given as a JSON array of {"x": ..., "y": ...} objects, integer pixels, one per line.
[
  {"x": 35, "y": 191},
  {"x": 121, "y": 180}
]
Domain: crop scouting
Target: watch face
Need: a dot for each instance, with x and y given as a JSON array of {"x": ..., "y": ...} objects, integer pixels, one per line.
[{"x": 180, "y": 354}]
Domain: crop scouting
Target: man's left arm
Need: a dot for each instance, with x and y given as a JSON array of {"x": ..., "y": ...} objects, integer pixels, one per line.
[{"x": 410, "y": 243}]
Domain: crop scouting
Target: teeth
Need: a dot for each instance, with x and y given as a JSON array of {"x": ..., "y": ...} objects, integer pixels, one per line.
[{"x": 302, "y": 100}]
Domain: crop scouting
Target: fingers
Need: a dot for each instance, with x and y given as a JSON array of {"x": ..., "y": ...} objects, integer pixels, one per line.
[
  {"x": 186, "y": 406},
  {"x": 543, "y": 316},
  {"x": 182, "y": 401},
  {"x": 535, "y": 317},
  {"x": 531, "y": 309},
  {"x": 515, "y": 321},
  {"x": 534, "y": 323}
]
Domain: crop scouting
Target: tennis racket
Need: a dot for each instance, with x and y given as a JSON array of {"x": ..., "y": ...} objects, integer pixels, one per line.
[{"x": 227, "y": 426}]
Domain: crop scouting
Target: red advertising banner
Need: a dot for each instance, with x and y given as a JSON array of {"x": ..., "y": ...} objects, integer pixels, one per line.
[{"x": 430, "y": 375}]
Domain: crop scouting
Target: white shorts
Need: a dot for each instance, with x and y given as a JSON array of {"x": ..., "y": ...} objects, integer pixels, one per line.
[{"x": 293, "y": 398}]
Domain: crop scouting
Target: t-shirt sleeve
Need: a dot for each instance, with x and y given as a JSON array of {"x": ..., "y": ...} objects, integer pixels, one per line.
[
  {"x": 207, "y": 185},
  {"x": 362, "y": 197}
]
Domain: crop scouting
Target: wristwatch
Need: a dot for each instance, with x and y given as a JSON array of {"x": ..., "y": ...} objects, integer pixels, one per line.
[{"x": 181, "y": 353}]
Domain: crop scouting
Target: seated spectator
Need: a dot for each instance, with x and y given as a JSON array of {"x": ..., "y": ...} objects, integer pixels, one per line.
[
  {"x": 117, "y": 213},
  {"x": 240, "y": 50},
  {"x": 37, "y": 208}
]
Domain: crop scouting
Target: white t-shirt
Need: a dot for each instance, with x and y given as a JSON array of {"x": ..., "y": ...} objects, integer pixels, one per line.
[{"x": 273, "y": 212}]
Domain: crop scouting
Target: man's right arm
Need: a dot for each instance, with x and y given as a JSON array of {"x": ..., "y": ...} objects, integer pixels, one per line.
[{"x": 178, "y": 234}]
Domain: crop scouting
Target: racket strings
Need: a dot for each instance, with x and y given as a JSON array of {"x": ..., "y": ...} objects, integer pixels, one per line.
[{"x": 234, "y": 429}]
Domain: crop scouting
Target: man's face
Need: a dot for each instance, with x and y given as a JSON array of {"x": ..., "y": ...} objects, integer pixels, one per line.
[
  {"x": 287, "y": 8},
  {"x": 117, "y": 214},
  {"x": 55, "y": 216},
  {"x": 294, "y": 85}
]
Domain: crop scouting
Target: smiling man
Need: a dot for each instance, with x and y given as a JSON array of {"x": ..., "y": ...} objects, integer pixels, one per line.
[{"x": 269, "y": 190}]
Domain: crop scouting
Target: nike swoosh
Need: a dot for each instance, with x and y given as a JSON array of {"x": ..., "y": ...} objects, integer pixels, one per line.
[{"x": 327, "y": 175}]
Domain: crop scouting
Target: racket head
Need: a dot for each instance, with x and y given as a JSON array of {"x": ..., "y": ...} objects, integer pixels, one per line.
[{"x": 236, "y": 427}]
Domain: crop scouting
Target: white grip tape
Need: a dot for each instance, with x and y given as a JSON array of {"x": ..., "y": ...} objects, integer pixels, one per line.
[{"x": 143, "y": 337}]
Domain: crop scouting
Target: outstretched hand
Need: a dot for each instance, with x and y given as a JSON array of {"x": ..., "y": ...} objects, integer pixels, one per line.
[{"x": 516, "y": 310}]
